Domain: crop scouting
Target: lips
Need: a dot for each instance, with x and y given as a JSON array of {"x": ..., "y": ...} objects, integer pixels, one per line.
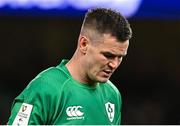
[{"x": 107, "y": 72}]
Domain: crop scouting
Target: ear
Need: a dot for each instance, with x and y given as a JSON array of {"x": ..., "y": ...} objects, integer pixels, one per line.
[{"x": 83, "y": 44}]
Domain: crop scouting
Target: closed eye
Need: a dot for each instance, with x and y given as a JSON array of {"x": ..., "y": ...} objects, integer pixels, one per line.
[{"x": 109, "y": 55}]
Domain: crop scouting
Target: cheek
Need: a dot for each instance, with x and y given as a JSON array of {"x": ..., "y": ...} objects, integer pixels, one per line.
[
  {"x": 95, "y": 60},
  {"x": 100, "y": 59},
  {"x": 95, "y": 63}
]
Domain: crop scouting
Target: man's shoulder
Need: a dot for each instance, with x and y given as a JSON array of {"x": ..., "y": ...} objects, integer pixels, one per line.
[
  {"x": 54, "y": 73},
  {"x": 111, "y": 87},
  {"x": 49, "y": 79},
  {"x": 51, "y": 71}
]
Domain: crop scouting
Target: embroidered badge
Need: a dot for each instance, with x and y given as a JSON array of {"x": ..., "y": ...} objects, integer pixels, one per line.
[
  {"x": 22, "y": 117},
  {"x": 110, "y": 110}
]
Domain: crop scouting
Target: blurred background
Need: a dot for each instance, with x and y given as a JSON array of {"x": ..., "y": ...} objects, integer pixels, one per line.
[{"x": 37, "y": 34}]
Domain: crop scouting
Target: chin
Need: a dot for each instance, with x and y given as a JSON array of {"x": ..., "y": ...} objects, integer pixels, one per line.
[
  {"x": 104, "y": 80},
  {"x": 100, "y": 79}
]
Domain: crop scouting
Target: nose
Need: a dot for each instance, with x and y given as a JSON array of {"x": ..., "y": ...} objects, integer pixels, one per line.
[{"x": 114, "y": 63}]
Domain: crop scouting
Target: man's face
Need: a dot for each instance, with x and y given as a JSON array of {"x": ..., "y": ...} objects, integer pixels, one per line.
[{"x": 102, "y": 59}]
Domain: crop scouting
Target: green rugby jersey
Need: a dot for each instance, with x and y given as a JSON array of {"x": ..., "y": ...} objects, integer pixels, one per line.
[{"x": 55, "y": 98}]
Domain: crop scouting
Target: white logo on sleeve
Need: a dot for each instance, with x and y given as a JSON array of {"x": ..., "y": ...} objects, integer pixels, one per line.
[
  {"x": 110, "y": 110},
  {"x": 74, "y": 113},
  {"x": 23, "y": 115}
]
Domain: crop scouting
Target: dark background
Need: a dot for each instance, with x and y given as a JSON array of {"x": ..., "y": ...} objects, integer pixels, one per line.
[{"x": 148, "y": 78}]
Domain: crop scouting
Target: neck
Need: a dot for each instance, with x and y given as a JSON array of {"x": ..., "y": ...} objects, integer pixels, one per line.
[{"x": 76, "y": 70}]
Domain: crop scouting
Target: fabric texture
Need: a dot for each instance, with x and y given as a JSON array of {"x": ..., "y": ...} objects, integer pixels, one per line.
[{"x": 58, "y": 99}]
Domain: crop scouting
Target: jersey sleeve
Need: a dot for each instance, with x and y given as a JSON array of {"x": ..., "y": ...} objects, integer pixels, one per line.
[
  {"x": 118, "y": 102},
  {"x": 32, "y": 106},
  {"x": 119, "y": 110}
]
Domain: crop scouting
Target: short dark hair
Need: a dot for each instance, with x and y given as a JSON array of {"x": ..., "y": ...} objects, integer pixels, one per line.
[{"x": 106, "y": 20}]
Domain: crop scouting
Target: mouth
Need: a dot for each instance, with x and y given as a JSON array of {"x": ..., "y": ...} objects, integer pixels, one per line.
[{"x": 107, "y": 72}]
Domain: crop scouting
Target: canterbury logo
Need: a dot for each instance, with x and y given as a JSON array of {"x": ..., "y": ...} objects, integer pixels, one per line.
[{"x": 74, "y": 111}]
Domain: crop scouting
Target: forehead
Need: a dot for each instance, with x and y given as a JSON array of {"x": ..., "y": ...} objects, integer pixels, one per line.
[{"x": 111, "y": 44}]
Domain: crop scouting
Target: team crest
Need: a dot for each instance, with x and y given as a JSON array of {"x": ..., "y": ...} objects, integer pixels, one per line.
[{"x": 110, "y": 110}]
